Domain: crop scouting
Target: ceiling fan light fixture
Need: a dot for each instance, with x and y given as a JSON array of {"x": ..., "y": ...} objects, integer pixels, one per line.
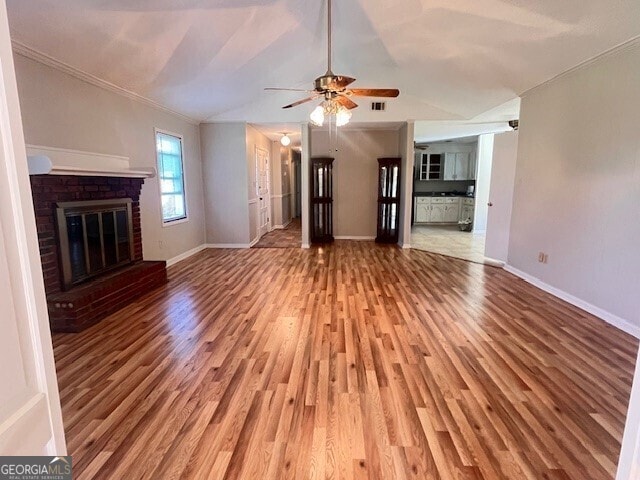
[
  {"x": 285, "y": 140},
  {"x": 317, "y": 116},
  {"x": 343, "y": 115}
]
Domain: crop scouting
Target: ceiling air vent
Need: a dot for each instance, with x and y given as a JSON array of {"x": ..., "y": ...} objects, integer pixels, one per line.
[{"x": 378, "y": 106}]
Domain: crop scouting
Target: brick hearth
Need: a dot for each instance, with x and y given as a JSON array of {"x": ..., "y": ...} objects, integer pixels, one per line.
[{"x": 86, "y": 304}]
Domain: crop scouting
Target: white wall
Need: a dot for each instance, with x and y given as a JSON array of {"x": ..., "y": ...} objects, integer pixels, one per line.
[
  {"x": 483, "y": 182},
  {"x": 224, "y": 156},
  {"x": 355, "y": 176},
  {"x": 629, "y": 462},
  {"x": 503, "y": 173},
  {"x": 59, "y": 110},
  {"x": 577, "y": 189}
]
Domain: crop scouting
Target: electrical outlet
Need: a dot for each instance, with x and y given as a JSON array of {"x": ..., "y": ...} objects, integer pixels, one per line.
[
  {"x": 546, "y": 258},
  {"x": 160, "y": 244},
  {"x": 543, "y": 257}
]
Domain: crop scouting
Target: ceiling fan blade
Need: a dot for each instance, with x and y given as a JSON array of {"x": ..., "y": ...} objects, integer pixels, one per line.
[
  {"x": 289, "y": 89},
  {"x": 374, "y": 92},
  {"x": 300, "y": 102},
  {"x": 339, "y": 82},
  {"x": 346, "y": 102}
]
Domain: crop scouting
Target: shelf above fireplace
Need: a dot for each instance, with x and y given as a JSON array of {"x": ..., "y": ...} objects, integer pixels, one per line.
[{"x": 60, "y": 161}]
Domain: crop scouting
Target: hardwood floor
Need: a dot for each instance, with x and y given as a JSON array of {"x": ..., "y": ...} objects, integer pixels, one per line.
[
  {"x": 353, "y": 361},
  {"x": 289, "y": 237}
]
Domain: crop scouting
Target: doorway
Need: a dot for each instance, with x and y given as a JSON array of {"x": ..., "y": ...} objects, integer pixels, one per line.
[{"x": 263, "y": 175}]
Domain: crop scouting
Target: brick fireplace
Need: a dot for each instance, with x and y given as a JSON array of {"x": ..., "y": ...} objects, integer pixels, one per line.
[{"x": 96, "y": 292}]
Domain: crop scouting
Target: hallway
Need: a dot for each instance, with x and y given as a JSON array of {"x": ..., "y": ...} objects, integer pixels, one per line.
[{"x": 289, "y": 237}]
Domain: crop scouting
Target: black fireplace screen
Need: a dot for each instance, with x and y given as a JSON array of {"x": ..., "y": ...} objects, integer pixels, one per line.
[{"x": 95, "y": 236}]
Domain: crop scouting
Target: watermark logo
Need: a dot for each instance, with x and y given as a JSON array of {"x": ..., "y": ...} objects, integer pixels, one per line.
[{"x": 35, "y": 468}]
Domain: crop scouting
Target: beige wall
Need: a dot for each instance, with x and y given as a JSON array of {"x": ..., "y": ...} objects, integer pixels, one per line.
[
  {"x": 59, "y": 110},
  {"x": 225, "y": 175},
  {"x": 577, "y": 187},
  {"x": 355, "y": 176}
]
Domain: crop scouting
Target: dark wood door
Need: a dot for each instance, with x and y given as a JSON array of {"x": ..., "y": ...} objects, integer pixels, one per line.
[
  {"x": 321, "y": 200},
  {"x": 388, "y": 200}
]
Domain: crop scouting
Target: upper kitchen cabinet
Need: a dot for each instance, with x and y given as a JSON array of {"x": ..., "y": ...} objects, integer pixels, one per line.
[
  {"x": 457, "y": 166},
  {"x": 429, "y": 165}
]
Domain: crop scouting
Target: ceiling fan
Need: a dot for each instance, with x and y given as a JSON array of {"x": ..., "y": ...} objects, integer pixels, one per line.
[{"x": 333, "y": 88}]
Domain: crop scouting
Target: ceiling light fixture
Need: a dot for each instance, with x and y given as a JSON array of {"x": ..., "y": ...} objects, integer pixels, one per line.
[
  {"x": 327, "y": 108},
  {"x": 285, "y": 140}
]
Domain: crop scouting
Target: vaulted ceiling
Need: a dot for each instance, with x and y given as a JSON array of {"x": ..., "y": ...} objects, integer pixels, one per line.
[{"x": 211, "y": 59}]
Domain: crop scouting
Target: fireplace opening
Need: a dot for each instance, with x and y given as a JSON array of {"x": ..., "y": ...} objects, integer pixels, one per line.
[{"x": 94, "y": 236}]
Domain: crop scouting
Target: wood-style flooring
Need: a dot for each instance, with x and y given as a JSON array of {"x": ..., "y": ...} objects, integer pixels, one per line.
[
  {"x": 288, "y": 237},
  {"x": 352, "y": 361}
]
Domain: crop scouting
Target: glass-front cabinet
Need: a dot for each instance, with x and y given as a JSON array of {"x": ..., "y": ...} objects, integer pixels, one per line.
[{"x": 430, "y": 166}]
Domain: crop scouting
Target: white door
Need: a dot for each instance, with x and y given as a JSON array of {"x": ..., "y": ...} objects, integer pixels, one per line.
[
  {"x": 30, "y": 418},
  {"x": 503, "y": 173},
  {"x": 262, "y": 177}
]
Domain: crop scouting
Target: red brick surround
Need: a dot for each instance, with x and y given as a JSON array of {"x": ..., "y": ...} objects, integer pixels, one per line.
[{"x": 47, "y": 190}]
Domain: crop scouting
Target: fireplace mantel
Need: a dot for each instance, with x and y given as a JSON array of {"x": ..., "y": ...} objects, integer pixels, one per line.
[{"x": 60, "y": 161}]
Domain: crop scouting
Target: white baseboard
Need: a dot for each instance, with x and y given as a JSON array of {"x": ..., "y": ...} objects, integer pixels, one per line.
[
  {"x": 348, "y": 237},
  {"x": 254, "y": 241},
  {"x": 306, "y": 245},
  {"x": 185, "y": 255},
  {"x": 404, "y": 245},
  {"x": 282, "y": 227},
  {"x": 608, "y": 317},
  {"x": 228, "y": 245}
]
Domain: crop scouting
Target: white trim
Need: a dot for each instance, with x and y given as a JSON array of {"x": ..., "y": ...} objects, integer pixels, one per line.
[
  {"x": 176, "y": 221},
  {"x": 284, "y": 195},
  {"x": 404, "y": 246},
  {"x": 253, "y": 201},
  {"x": 185, "y": 255},
  {"x": 44, "y": 59},
  {"x": 612, "y": 51},
  {"x": 306, "y": 245},
  {"x": 171, "y": 223},
  {"x": 282, "y": 227},
  {"x": 228, "y": 245},
  {"x": 63, "y": 161},
  {"x": 608, "y": 317},
  {"x": 351, "y": 237}
]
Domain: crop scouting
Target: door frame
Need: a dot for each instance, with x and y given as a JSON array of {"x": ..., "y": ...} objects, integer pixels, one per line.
[
  {"x": 36, "y": 418},
  {"x": 268, "y": 176}
]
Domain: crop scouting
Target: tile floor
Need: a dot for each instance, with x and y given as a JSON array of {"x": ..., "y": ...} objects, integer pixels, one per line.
[{"x": 449, "y": 240}]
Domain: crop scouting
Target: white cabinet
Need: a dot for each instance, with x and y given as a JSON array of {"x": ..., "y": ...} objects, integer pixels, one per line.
[
  {"x": 422, "y": 210},
  {"x": 429, "y": 166},
  {"x": 457, "y": 166},
  {"x": 437, "y": 212},
  {"x": 467, "y": 209},
  {"x": 452, "y": 210},
  {"x": 436, "y": 209},
  {"x": 472, "y": 166}
]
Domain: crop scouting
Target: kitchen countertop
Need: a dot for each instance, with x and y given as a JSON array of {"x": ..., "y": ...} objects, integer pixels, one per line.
[{"x": 441, "y": 194}]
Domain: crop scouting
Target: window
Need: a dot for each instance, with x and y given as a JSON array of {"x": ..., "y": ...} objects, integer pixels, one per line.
[{"x": 171, "y": 177}]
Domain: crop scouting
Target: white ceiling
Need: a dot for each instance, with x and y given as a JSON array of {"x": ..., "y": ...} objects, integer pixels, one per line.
[{"x": 210, "y": 59}]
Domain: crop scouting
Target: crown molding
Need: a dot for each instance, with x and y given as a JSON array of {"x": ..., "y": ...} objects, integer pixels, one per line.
[
  {"x": 622, "y": 47},
  {"x": 33, "y": 54}
]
